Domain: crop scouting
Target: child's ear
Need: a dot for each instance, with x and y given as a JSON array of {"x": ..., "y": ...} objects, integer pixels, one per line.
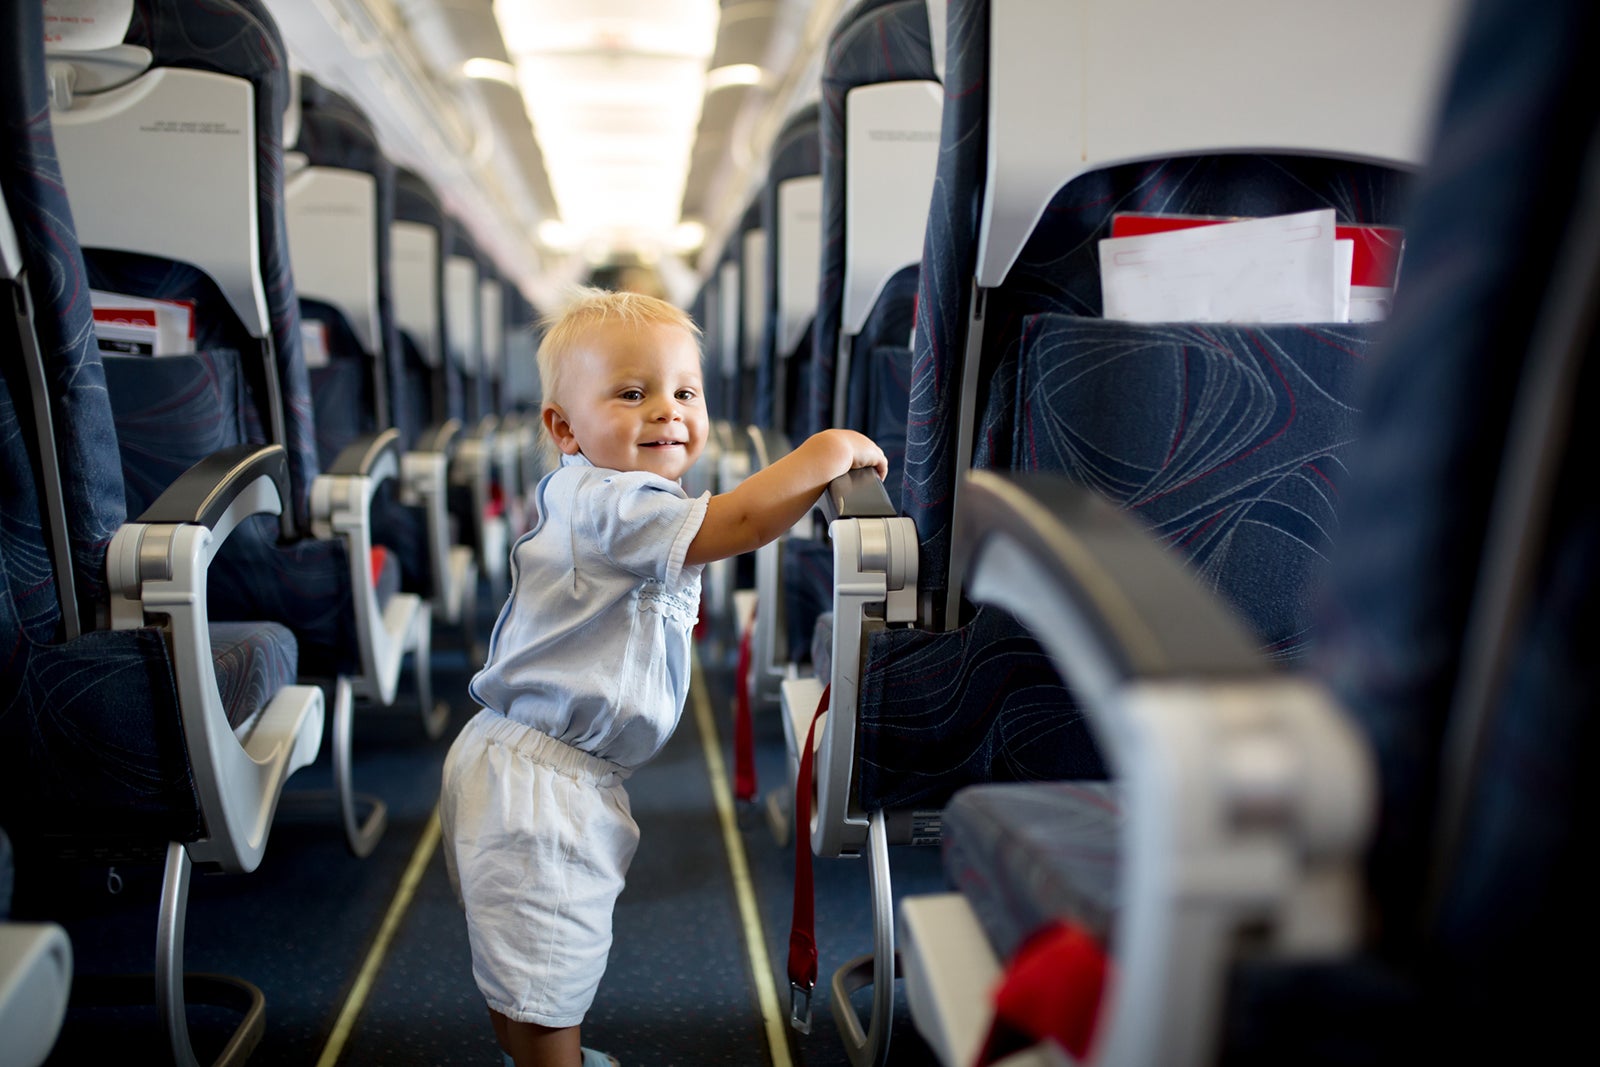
[{"x": 559, "y": 429}]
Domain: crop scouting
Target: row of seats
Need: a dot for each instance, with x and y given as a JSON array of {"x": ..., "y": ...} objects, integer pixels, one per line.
[
  {"x": 324, "y": 465},
  {"x": 985, "y": 350}
]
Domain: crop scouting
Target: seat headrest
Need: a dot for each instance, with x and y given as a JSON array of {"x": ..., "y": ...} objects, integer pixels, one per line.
[
  {"x": 85, "y": 25},
  {"x": 84, "y": 49}
]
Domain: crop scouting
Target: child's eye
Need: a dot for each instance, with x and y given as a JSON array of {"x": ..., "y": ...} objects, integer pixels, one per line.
[
  {"x": 686, "y": 394},
  {"x": 632, "y": 394}
]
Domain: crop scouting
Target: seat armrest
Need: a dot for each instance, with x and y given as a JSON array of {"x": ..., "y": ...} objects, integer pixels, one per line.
[
  {"x": 858, "y": 494},
  {"x": 368, "y": 455},
  {"x": 440, "y": 437},
  {"x": 156, "y": 567},
  {"x": 1248, "y": 796},
  {"x": 204, "y": 493}
]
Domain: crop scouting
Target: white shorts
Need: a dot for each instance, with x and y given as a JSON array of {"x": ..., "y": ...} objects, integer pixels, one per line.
[{"x": 537, "y": 841}]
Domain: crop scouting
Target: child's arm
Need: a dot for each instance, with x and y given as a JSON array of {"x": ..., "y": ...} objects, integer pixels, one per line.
[{"x": 775, "y": 498}]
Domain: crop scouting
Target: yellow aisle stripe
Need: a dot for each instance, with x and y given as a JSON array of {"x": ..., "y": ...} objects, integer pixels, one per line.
[
  {"x": 755, "y": 938},
  {"x": 380, "y": 945}
]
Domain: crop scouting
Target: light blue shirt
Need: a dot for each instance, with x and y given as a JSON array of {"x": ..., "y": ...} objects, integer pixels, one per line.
[{"x": 592, "y": 646}]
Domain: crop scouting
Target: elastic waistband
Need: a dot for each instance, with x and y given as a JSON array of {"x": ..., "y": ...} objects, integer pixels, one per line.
[{"x": 543, "y": 749}]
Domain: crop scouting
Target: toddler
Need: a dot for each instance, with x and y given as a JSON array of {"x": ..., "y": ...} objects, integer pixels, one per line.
[{"x": 588, "y": 663}]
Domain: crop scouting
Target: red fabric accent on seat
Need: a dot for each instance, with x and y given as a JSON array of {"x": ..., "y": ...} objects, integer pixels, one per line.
[
  {"x": 744, "y": 745},
  {"x": 377, "y": 559},
  {"x": 1051, "y": 990}
]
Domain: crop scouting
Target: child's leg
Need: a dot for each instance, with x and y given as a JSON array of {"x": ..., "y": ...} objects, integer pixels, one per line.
[{"x": 532, "y": 1045}]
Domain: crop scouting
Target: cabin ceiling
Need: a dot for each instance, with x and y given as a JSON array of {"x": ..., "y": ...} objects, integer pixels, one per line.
[{"x": 655, "y": 114}]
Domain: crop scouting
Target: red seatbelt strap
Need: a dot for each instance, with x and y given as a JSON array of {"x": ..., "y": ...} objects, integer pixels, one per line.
[
  {"x": 803, "y": 919},
  {"x": 1051, "y": 990},
  {"x": 744, "y": 744}
]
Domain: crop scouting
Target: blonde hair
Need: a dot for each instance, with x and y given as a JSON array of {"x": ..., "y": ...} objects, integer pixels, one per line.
[{"x": 588, "y": 310}]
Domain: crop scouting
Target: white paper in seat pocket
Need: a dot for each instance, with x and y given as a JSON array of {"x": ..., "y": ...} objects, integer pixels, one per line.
[{"x": 1278, "y": 269}]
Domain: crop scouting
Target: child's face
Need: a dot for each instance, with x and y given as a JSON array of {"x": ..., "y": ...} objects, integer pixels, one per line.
[{"x": 632, "y": 399}]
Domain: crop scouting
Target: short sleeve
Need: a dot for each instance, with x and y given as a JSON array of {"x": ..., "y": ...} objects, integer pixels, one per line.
[{"x": 643, "y": 523}]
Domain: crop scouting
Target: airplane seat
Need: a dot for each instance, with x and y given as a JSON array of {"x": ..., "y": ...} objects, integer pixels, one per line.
[
  {"x": 878, "y": 78},
  {"x": 472, "y": 481},
  {"x": 791, "y": 209},
  {"x": 790, "y": 215},
  {"x": 201, "y": 71},
  {"x": 339, "y": 202},
  {"x": 521, "y": 391},
  {"x": 175, "y": 745},
  {"x": 1446, "y": 643},
  {"x": 417, "y": 236},
  {"x": 988, "y": 292}
]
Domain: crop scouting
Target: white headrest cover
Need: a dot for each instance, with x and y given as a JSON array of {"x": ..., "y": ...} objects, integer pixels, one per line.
[{"x": 74, "y": 26}]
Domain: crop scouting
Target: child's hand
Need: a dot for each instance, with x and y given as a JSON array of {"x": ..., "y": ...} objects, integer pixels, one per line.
[{"x": 864, "y": 452}]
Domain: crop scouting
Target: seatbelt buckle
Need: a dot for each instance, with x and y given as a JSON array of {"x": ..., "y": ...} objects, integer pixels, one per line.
[{"x": 800, "y": 1007}]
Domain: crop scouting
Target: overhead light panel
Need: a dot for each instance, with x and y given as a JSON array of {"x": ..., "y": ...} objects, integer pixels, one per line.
[
  {"x": 493, "y": 70},
  {"x": 733, "y": 74},
  {"x": 613, "y": 91}
]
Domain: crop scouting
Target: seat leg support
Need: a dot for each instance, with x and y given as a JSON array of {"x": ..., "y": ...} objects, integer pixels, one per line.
[
  {"x": 360, "y": 835},
  {"x": 871, "y": 1048},
  {"x": 435, "y": 716},
  {"x": 173, "y": 988}
]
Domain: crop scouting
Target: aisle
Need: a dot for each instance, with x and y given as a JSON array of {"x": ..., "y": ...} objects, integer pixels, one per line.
[{"x": 677, "y": 990}]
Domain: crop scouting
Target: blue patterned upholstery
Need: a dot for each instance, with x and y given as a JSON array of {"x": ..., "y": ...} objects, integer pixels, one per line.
[
  {"x": 94, "y": 757},
  {"x": 880, "y": 372},
  {"x": 1511, "y": 175},
  {"x": 240, "y": 38},
  {"x": 877, "y": 42},
  {"x": 1230, "y": 442},
  {"x": 796, "y": 153}
]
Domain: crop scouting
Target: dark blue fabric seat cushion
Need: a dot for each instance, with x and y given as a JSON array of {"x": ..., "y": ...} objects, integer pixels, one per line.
[{"x": 1026, "y": 854}]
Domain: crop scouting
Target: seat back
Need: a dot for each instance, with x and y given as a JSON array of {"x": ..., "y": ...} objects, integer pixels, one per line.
[
  {"x": 791, "y": 212},
  {"x": 1228, "y": 440},
  {"x": 340, "y": 204},
  {"x": 462, "y": 326},
  {"x": 878, "y": 126},
  {"x": 1004, "y": 158},
  {"x": 492, "y": 313},
  {"x": 418, "y": 239},
  {"x": 56, "y": 430},
  {"x": 752, "y": 307},
  {"x": 189, "y": 73}
]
